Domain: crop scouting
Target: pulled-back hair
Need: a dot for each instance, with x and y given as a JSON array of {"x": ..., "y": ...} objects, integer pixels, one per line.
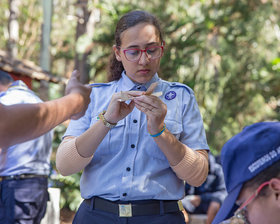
[{"x": 127, "y": 21}]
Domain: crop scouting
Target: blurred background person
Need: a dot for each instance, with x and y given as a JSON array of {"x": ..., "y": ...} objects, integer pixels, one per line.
[
  {"x": 24, "y": 167},
  {"x": 207, "y": 198},
  {"x": 22, "y": 122}
]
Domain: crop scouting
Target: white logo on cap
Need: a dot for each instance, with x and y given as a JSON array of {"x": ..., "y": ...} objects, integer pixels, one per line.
[{"x": 264, "y": 159}]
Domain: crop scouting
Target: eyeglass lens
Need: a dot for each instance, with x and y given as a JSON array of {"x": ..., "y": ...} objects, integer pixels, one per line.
[
  {"x": 239, "y": 217},
  {"x": 135, "y": 54}
]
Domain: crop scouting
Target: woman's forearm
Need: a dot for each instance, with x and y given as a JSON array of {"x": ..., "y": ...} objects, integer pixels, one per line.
[
  {"x": 74, "y": 153},
  {"x": 193, "y": 168},
  {"x": 68, "y": 159},
  {"x": 189, "y": 165},
  {"x": 88, "y": 142}
]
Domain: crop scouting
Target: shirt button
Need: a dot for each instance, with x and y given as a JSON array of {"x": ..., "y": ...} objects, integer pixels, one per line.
[
  {"x": 128, "y": 169},
  {"x": 124, "y": 194},
  {"x": 132, "y": 146},
  {"x": 134, "y": 121}
]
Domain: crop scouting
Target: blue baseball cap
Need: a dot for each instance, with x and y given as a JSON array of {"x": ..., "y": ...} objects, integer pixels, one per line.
[{"x": 243, "y": 157}]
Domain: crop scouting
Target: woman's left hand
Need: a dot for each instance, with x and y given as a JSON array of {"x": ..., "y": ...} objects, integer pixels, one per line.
[{"x": 154, "y": 109}]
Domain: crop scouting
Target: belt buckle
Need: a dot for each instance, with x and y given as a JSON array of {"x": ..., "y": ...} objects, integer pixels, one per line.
[
  {"x": 125, "y": 210},
  {"x": 180, "y": 205}
]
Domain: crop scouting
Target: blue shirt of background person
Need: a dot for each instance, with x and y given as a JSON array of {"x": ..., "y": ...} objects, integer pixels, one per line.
[
  {"x": 32, "y": 157},
  {"x": 24, "y": 168}
]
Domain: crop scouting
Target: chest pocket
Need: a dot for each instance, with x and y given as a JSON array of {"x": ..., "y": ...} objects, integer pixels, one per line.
[
  {"x": 174, "y": 127},
  {"x": 113, "y": 141},
  {"x": 173, "y": 118}
]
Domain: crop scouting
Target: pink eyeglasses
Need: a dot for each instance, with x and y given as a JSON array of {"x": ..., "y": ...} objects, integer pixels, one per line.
[
  {"x": 240, "y": 215},
  {"x": 152, "y": 52}
]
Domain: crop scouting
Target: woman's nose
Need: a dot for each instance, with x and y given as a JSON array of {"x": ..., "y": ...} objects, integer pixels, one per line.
[{"x": 144, "y": 58}]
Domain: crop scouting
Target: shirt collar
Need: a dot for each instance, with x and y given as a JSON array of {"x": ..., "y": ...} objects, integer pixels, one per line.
[
  {"x": 18, "y": 84},
  {"x": 2, "y": 93},
  {"x": 126, "y": 84},
  {"x": 15, "y": 85}
]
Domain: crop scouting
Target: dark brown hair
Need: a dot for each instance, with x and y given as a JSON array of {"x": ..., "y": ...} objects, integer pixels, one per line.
[
  {"x": 5, "y": 78},
  {"x": 127, "y": 21},
  {"x": 272, "y": 171}
]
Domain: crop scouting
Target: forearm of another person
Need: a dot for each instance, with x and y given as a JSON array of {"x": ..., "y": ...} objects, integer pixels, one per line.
[
  {"x": 188, "y": 164},
  {"x": 22, "y": 122},
  {"x": 74, "y": 153}
]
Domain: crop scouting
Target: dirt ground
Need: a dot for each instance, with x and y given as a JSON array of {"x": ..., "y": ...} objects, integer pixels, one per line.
[{"x": 66, "y": 216}]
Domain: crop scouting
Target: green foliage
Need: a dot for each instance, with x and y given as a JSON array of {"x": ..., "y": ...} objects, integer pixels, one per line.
[
  {"x": 69, "y": 185},
  {"x": 58, "y": 134},
  {"x": 70, "y": 190},
  {"x": 3, "y": 23}
]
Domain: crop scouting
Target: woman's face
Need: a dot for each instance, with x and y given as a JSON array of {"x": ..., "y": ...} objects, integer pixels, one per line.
[
  {"x": 263, "y": 209},
  {"x": 140, "y": 36}
]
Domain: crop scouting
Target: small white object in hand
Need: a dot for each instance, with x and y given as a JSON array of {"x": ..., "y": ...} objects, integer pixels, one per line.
[{"x": 126, "y": 97}]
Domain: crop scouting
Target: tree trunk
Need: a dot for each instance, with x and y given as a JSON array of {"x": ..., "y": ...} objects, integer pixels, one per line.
[
  {"x": 46, "y": 35},
  {"x": 81, "y": 59},
  {"x": 13, "y": 28},
  {"x": 85, "y": 25},
  {"x": 45, "y": 46}
]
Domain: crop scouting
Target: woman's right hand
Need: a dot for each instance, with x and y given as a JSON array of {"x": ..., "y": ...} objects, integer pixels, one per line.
[{"x": 117, "y": 109}]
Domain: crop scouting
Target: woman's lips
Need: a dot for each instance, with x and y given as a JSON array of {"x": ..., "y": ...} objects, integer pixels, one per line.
[{"x": 144, "y": 71}]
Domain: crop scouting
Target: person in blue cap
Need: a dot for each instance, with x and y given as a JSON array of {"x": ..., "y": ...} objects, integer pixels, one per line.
[{"x": 251, "y": 165}]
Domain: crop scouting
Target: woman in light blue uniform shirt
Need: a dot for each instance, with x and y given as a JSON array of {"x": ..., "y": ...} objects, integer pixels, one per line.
[{"x": 136, "y": 152}]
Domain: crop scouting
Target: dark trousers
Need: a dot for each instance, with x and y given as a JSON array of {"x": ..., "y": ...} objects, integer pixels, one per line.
[
  {"x": 23, "y": 201},
  {"x": 86, "y": 214}
]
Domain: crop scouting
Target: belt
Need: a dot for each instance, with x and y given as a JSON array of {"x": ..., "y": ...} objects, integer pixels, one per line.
[
  {"x": 21, "y": 176},
  {"x": 135, "y": 209}
]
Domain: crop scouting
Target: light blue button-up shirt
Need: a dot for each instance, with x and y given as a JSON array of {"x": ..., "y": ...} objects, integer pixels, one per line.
[
  {"x": 128, "y": 164},
  {"x": 30, "y": 157}
]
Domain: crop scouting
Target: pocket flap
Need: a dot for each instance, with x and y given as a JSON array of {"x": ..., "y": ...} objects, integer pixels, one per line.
[{"x": 175, "y": 127}]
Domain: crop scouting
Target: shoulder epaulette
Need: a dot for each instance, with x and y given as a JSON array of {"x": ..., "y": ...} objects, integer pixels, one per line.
[
  {"x": 99, "y": 84},
  {"x": 178, "y": 84}
]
